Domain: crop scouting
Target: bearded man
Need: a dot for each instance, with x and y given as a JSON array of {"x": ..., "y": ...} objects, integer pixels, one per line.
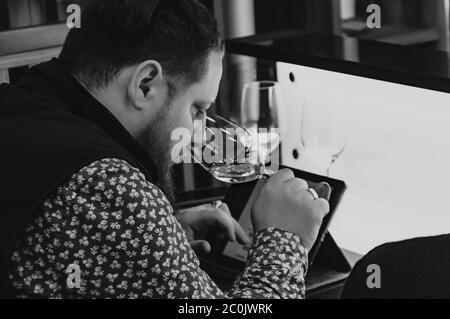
[{"x": 86, "y": 167}]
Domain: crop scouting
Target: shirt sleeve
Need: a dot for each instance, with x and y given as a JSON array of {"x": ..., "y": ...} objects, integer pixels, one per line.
[
  {"x": 119, "y": 230},
  {"x": 276, "y": 268}
]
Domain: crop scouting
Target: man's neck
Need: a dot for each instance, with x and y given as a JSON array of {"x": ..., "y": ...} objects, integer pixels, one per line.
[{"x": 111, "y": 99}]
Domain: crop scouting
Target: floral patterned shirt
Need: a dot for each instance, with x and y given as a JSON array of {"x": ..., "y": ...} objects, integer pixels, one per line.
[{"x": 120, "y": 232}]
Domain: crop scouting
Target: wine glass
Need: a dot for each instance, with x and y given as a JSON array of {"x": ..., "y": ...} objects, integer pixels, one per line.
[
  {"x": 225, "y": 149},
  {"x": 262, "y": 113},
  {"x": 235, "y": 153},
  {"x": 322, "y": 134}
]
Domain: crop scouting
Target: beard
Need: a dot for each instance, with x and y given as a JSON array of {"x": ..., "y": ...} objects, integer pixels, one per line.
[{"x": 156, "y": 139}]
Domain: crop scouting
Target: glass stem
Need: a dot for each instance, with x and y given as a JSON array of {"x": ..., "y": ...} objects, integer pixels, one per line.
[{"x": 262, "y": 169}]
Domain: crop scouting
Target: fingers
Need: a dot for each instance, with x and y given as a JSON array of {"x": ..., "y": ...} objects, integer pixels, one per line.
[
  {"x": 297, "y": 184},
  {"x": 239, "y": 232},
  {"x": 287, "y": 178},
  {"x": 323, "y": 190},
  {"x": 323, "y": 206},
  {"x": 282, "y": 176},
  {"x": 241, "y": 235},
  {"x": 225, "y": 222},
  {"x": 225, "y": 208},
  {"x": 201, "y": 247}
]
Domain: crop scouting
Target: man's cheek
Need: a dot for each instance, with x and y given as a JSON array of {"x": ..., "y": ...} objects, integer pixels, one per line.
[{"x": 181, "y": 121}]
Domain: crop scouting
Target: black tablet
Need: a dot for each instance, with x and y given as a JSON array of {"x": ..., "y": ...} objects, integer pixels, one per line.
[{"x": 240, "y": 199}]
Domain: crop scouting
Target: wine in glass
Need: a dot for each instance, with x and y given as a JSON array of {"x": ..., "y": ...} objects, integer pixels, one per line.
[
  {"x": 235, "y": 153},
  {"x": 225, "y": 149}
]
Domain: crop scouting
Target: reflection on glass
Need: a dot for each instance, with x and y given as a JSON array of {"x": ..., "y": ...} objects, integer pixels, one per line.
[
  {"x": 322, "y": 134},
  {"x": 262, "y": 112}
]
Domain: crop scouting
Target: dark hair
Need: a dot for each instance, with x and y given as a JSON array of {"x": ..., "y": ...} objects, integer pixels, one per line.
[{"x": 115, "y": 34}]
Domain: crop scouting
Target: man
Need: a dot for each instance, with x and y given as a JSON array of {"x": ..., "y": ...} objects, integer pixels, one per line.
[{"x": 87, "y": 167}]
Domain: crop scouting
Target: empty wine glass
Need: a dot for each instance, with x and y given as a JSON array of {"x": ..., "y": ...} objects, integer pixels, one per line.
[
  {"x": 322, "y": 133},
  {"x": 262, "y": 113}
]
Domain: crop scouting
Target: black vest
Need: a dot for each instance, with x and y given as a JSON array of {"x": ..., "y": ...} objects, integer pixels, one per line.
[{"x": 50, "y": 128}]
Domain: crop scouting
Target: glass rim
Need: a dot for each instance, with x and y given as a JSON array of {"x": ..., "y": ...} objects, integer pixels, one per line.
[{"x": 210, "y": 116}]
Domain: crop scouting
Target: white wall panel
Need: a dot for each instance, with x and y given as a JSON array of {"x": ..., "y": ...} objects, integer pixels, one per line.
[{"x": 397, "y": 162}]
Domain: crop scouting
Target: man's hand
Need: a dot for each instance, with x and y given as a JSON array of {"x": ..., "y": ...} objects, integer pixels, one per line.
[
  {"x": 198, "y": 221},
  {"x": 286, "y": 203}
]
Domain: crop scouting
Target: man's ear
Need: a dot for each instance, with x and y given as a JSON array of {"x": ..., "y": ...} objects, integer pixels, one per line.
[{"x": 145, "y": 80}]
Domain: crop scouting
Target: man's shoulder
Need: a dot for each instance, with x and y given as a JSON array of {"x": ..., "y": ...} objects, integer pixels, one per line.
[
  {"x": 21, "y": 96},
  {"x": 38, "y": 109},
  {"x": 111, "y": 167},
  {"x": 115, "y": 173},
  {"x": 109, "y": 186},
  {"x": 57, "y": 134}
]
